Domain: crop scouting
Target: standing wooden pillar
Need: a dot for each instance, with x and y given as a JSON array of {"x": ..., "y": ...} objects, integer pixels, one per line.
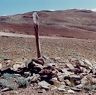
[{"x": 36, "y": 29}]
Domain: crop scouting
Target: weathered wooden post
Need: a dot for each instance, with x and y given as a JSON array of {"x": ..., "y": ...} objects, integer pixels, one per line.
[{"x": 36, "y": 27}]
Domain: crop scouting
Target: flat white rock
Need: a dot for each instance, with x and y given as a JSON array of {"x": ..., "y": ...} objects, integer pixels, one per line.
[{"x": 44, "y": 84}]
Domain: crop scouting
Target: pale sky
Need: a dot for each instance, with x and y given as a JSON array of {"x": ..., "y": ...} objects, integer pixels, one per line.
[{"x": 9, "y": 7}]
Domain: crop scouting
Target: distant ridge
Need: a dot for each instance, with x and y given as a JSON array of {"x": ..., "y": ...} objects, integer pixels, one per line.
[{"x": 73, "y": 23}]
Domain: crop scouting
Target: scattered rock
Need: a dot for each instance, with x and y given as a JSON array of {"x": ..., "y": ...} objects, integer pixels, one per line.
[
  {"x": 69, "y": 65},
  {"x": 71, "y": 91},
  {"x": 27, "y": 74},
  {"x": 44, "y": 84},
  {"x": 56, "y": 82},
  {"x": 51, "y": 64},
  {"x": 8, "y": 84},
  {"x": 67, "y": 82},
  {"x": 89, "y": 64},
  {"x": 81, "y": 63},
  {"x": 61, "y": 88},
  {"x": 74, "y": 75},
  {"x": 53, "y": 87},
  {"x": 16, "y": 67},
  {"x": 76, "y": 89},
  {"x": 35, "y": 77},
  {"x": 22, "y": 82},
  {"x": 84, "y": 80},
  {"x": 1, "y": 66}
]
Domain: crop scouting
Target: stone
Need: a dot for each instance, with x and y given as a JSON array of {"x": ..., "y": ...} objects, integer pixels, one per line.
[
  {"x": 85, "y": 71},
  {"x": 94, "y": 69},
  {"x": 77, "y": 70},
  {"x": 56, "y": 82},
  {"x": 8, "y": 70},
  {"x": 35, "y": 77},
  {"x": 1, "y": 66},
  {"x": 29, "y": 79},
  {"x": 8, "y": 84},
  {"x": 34, "y": 67},
  {"x": 88, "y": 63},
  {"x": 69, "y": 65},
  {"x": 51, "y": 64},
  {"x": 54, "y": 79},
  {"x": 27, "y": 74},
  {"x": 81, "y": 63},
  {"x": 75, "y": 77},
  {"x": 22, "y": 82},
  {"x": 61, "y": 88},
  {"x": 66, "y": 72},
  {"x": 38, "y": 65},
  {"x": 71, "y": 91},
  {"x": 76, "y": 89},
  {"x": 61, "y": 76},
  {"x": 73, "y": 61},
  {"x": 84, "y": 80},
  {"x": 4, "y": 89},
  {"x": 53, "y": 87},
  {"x": 44, "y": 84},
  {"x": 67, "y": 82},
  {"x": 21, "y": 63},
  {"x": 72, "y": 80},
  {"x": 38, "y": 61},
  {"x": 16, "y": 67},
  {"x": 80, "y": 86},
  {"x": 47, "y": 73},
  {"x": 88, "y": 88},
  {"x": 93, "y": 80}
]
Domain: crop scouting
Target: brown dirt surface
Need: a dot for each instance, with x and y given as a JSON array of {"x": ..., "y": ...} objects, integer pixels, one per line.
[{"x": 16, "y": 48}]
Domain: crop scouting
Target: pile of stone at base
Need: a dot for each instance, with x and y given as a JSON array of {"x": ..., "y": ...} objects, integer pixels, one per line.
[{"x": 74, "y": 75}]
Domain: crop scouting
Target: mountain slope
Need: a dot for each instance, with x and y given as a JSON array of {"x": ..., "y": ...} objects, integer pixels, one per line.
[{"x": 69, "y": 23}]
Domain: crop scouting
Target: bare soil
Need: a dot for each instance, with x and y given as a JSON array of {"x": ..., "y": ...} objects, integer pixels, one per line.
[{"x": 19, "y": 47}]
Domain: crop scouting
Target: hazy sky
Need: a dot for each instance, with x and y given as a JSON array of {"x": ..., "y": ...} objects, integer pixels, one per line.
[{"x": 8, "y": 7}]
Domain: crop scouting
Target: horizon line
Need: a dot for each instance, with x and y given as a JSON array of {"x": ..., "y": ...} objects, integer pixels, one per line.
[{"x": 51, "y": 10}]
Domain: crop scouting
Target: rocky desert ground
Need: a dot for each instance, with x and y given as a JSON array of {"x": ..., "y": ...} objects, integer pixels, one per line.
[{"x": 68, "y": 46}]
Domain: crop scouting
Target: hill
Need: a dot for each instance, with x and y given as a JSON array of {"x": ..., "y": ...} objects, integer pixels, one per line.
[{"x": 71, "y": 23}]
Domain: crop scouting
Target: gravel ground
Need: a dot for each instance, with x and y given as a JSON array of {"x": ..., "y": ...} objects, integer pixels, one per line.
[{"x": 19, "y": 48}]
